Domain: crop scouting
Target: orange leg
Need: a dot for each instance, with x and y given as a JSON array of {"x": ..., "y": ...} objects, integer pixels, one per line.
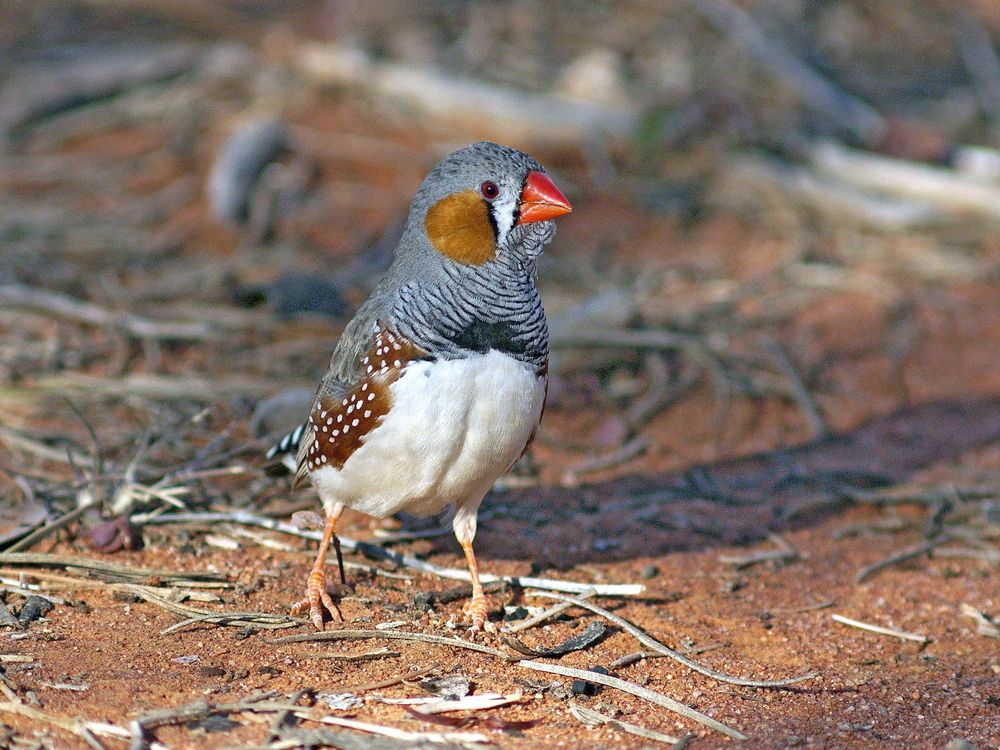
[
  {"x": 318, "y": 600},
  {"x": 477, "y": 607}
]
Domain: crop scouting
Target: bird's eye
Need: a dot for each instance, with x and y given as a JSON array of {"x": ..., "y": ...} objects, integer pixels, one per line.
[{"x": 489, "y": 190}]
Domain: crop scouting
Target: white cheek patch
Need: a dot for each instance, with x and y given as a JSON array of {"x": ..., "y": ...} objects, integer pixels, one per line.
[{"x": 503, "y": 214}]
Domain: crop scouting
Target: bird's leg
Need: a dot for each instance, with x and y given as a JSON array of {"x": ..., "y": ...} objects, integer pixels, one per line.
[
  {"x": 318, "y": 600},
  {"x": 477, "y": 607},
  {"x": 464, "y": 524}
]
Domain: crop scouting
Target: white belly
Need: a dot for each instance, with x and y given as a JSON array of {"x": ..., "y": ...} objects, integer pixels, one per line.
[{"x": 453, "y": 428}]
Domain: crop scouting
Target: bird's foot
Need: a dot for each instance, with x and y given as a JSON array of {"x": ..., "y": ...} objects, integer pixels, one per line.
[
  {"x": 476, "y": 611},
  {"x": 319, "y": 599}
]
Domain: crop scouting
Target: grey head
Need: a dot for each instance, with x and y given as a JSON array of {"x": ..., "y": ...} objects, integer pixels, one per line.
[
  {"x": 471, "y": 208},
  {"x": 462, "y": 279}
]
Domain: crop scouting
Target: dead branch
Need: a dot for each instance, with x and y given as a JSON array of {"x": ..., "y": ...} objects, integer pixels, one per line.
[
  {"x": 857, "y": 117},
  {"x": 944, "y": 188},
  {"x": 117, "y": 573},
  {"x": 338, "y": 635},
  {"x": 784, "y": 553},
  {"x": 901, "y": 634},
  {"x": 61, "y": 306},
  {"x": 516, "y": 114},
  {"x": 593, "y": 718},
  {"x": 630, "y": 687},
  {"x": 374, "y": 550},
  {"x": 654, "y": 644},
  {"x": 907, "y": 554}
]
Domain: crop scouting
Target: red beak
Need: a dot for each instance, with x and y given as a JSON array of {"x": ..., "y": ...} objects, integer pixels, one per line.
[{"x": 541, "y": 200}]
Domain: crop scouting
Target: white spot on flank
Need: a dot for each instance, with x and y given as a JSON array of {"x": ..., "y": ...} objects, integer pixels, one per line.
[
  {"x": 396, "y": 363},
  {"x": 364, "y": 386},
  {"x": 354, "y": 423},
  {"x": 344, "y": 402},
  {"x": 336, "y": 432},
  {"x": 371, "y": 396},
  {"x": 340, "y": 417},
  {"x": 367, "y": 413}
]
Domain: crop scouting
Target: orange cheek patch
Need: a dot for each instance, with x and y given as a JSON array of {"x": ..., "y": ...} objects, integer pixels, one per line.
[{"x": 459, "y": 228}]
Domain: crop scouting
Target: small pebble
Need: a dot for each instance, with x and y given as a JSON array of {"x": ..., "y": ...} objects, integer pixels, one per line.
[
  {"x": 517, "y": 613},
  {"x": 649, "y": 571},
  {"x": 34, "y": 608},
  {"x": 585, "y": 687}
]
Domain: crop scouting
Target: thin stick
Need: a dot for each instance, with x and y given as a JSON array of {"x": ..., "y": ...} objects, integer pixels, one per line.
[
  {"x": 636, "y": 690},
  {"x": 548, "y": 614},
  {"x": 38, "y": 534},
  {"x": 405, "y": 561},
  {"x": 591, "y": 718},
  {"x": 61, "y": 306},
  {"x": 46, "y": 452},
  {"x": 379, "y": 653},
  {"x": 397, "y": 635},
  {"x": 71, "y": 725},
  {"x": 849, "y": 112},
  {"x": 803, "y": 397},
  {"x": 906, "y": 554},
  {"x": 199, "y": 709},
  {"x": 386, "y": 683},
  {"x": 879, "y": 629},
  {"x": 399, "y": 734},
  {"x": 785, "y": 553},
  {"x": 281, "y": 717},
  {"x": 631, "y": 449},
  {"x": 632, "y": 658},
  {"x": 654, "y": 644},
  {"x": 113, "y": 571}
]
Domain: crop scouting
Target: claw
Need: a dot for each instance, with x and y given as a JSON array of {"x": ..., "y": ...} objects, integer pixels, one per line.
[
  {"x": 477, "y": 612},
  {"x": 319, "y": 602}
]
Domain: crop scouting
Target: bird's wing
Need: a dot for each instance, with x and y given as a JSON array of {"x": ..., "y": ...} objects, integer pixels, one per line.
[{"x": 354, "y": 396}]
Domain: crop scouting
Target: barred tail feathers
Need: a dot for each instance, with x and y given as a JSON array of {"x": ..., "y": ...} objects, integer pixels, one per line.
[{"x": 285, "y": 451}]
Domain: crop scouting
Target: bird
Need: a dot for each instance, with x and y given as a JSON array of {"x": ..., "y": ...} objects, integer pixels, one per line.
[{"x": 438, "y": 383}]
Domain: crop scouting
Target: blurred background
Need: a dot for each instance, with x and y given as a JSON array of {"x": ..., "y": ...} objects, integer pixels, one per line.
[
  {"x": 773, "y": 310},
  {"x": 785, "y": 218}
]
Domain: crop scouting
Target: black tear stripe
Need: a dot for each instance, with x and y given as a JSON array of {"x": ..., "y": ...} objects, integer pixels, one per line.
[
  {"x": 493, "y": 221},
  {"x": 481, "y": 336}
]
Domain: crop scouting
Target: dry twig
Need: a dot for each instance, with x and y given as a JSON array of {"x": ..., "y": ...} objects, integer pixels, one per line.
[
  {"x": 374, "y": 550},
  {"x": 117, "y": 573},
  {"x": 906, "y": 554},
  {"x": 784, "y": 553},
  {"x": 637, "y": 690},
  {"x": 654, "y": 644},
  {"x": 593, "y": 718},
  {"x": 902, "y": 634},
  {"x": 59, "y": 305},
  {"x": 399, "y": 734},
  {"x": 338, "y": 635}
]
